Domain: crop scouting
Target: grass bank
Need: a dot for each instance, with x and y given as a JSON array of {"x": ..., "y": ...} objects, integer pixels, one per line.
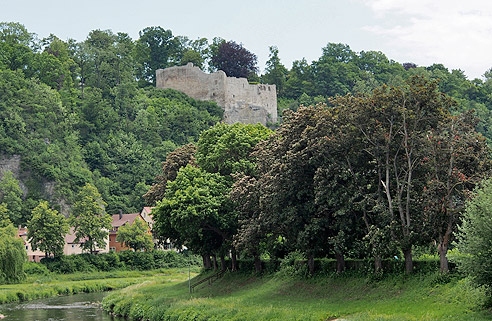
[
  {"x": 347, "y": 297},
  {"x": 39, "y": 286}
]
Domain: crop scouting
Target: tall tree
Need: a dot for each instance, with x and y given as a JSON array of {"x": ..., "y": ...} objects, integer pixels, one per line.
[
  {"x": 17, "y": 46},
  {"x": 234, "y": 60},
  {"x": 89, "y": 219},
  {"x": 47, "y": 229},
  {"x": 180, "y": 157},
  {"x": 286, "y": 173},
  {"x": 394, "y": 123},
  {"x": 275, "y": 72},
  {"x": 155, "y": 49},
  {"x": 225, "y": 149},
  {"x": 195, "y": 206},
  {"x": 458, "y": 160}
]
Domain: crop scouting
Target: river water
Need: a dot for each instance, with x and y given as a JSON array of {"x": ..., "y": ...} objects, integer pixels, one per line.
[{"x": 86, "y": 307}]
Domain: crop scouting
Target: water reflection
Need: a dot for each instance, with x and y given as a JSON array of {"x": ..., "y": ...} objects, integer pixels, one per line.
[{"x": 85, "y": 306}]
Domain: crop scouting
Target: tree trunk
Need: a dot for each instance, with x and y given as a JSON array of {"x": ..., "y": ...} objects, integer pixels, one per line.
[
  {"x": 340, "y": 262},
  {"x": 214, "y": 257},
  {"x": 310, "y": 264},
  {"x": 206, "y": 261},
  {"x": 443, "y": 250},
  {"x": 222, "y": 262},
  {"x": 257, "y": 263},
  {"x": 408, "y": 260},
  {"x": 234, "y": 266},
  {"x": 378, "y": 264}
]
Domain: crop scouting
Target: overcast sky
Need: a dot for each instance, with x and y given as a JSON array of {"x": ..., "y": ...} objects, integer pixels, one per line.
[{"x": 456, "y": 33}]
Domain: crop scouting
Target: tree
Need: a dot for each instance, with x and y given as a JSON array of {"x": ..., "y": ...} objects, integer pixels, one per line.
[
  {"x": 474, "y": 235},
  {"x": 4, "y": 215},
  {"x": 275, "y": 72},
  {"x": 394, "y": 123},
  {"x": 234, "y": 60},
  {"x": 225, "y": 149},
  {"x": 196, "y": 211},
  {"x": 10, "y": 194},
  {"x": 47, "y": 229},
  {"x": 155, "y": 49},
  {"x": 136, "y": 236},
  {"x": 285, "y": 175},
  {"x": 89, "y": 219},
  {"x": 458, "y": 160},
  {"x": 180, "y": 157},
  {"x": 12, "y": 255},
  {"x": 16, "y": 46}
]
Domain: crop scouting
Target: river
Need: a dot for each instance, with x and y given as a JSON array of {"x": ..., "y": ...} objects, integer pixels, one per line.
[{"x": 85, "y": 306}]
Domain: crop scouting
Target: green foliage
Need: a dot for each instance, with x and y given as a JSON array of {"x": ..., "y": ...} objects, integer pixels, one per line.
[
  {"x": 136, "y": 236},
  {"x": 90, "y": 221},
  {"x": 35, "y": 268},
  {"x": 124, "y": 260},
  {"x": 4, "y": 216},
  {"x": 225, "y": 149},
  {"x": 12, "y": 256},
  {"x": 195, "y": 210},
  {"x": 178, "y": 158},
  {"x": 10, "y": 195},
  {"x": 47, "y": 229},
  {"x": 474, "y": 236}
]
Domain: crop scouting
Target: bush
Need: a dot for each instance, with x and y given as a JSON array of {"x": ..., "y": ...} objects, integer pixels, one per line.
[
  {"x": 35, "y": 268},
  {"x": 474, "y": 237},
  {"x": 125, "y": 260}
]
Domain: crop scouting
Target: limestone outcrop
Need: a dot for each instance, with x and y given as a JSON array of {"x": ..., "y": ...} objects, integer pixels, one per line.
[{"x": 242, "y": 102}]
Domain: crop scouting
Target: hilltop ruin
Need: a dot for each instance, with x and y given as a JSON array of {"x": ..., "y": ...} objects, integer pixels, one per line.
[{"x": 242, "y": 102}]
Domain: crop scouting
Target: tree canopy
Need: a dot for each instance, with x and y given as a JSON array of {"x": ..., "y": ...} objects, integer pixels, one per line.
[
  {"x": 46, "y": 230},
  {"x": 90, "y": 221},
  {"x": 136, "y": 236}
]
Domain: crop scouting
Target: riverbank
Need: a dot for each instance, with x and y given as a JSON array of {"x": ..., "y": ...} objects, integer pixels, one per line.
[
  {"x": 348, "y": 297},
  {"x": 47, "y": 285}
]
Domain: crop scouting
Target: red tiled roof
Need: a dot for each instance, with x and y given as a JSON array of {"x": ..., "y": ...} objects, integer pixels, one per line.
[
  {"x": 121, "y": 219},
  {"x": 70, "y": 237},
  {"x": 148, "y": 209}
]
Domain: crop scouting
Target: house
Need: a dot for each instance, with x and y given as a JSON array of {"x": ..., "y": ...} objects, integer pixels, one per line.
[
  {"x": 118, "y": 221},
  {"x": 146, "y": 215},
  {"x": 71, "y": 247},
  {"x": 32, "y": 255}
]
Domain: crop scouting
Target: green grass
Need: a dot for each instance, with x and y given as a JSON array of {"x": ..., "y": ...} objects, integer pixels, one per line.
[
  {"x": 348, "y": 297},
  {"x": 47, "y": 285}
]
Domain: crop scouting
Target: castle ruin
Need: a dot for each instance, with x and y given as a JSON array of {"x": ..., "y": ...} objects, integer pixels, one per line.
[{"x": 241, "y": 101}]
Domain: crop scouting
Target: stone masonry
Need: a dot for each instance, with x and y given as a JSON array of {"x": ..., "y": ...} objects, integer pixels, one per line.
[{"x": 241, "y": 101}]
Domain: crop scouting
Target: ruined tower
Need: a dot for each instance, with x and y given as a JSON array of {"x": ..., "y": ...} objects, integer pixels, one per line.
[{"x": 242, "y": 102}]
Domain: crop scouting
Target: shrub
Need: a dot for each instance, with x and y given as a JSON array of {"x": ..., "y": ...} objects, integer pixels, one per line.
[
  {"x": 35, "y": 268},
  {"x": 125, "y": 260},
  {"x": 475, "y": 236}
]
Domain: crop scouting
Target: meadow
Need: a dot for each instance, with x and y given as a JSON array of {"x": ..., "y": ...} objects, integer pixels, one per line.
[{"x": 349, "y": 296}]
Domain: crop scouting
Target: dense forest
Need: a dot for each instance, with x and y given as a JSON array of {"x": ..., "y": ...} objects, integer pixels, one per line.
[{"x": 88, "y": 112}]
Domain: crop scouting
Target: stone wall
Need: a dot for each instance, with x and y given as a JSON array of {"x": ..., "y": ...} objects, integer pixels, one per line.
[{"x": 241, "y": 101}]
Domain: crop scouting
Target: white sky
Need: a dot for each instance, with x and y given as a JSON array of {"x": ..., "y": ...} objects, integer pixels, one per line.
[{"x": 455, "y": 33}]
